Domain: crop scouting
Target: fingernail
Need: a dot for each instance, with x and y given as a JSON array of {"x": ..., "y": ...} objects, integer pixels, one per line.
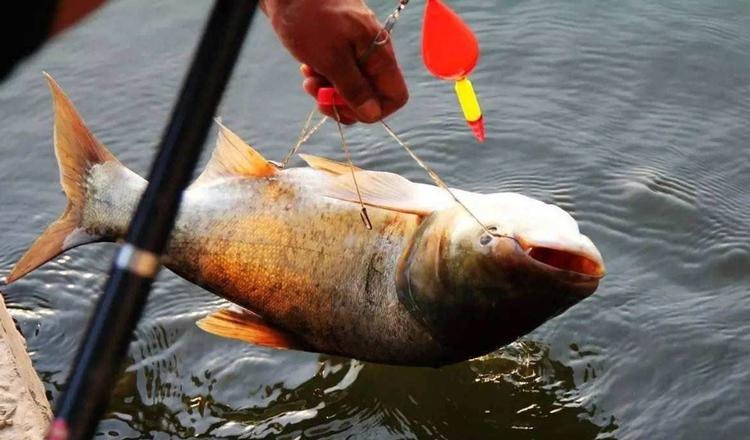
[{"x": 370, "y": 110}]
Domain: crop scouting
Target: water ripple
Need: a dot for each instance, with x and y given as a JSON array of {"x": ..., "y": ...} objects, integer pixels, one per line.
[{"x": 632, "y": 116}]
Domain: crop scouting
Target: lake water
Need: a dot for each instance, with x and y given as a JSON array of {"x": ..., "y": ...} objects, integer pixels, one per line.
[{"x": 632, "y": 115}]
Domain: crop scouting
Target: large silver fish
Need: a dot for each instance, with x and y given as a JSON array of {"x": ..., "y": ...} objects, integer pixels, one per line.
[{"x": 428, "y": 285}]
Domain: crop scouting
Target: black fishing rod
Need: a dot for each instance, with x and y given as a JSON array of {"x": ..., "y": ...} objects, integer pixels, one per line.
[{"x": 136, "y": 263}]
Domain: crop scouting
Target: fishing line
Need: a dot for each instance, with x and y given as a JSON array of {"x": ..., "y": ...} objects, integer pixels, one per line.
[
  {"x": 381, "y": 38},
  {"x": 363, "y": 212},
  {"x": 434, "y": 176},
  {"x": 304, "y": 136},
  {"x": 306, "y": 125},
  {"x": 384, "y": 34}
]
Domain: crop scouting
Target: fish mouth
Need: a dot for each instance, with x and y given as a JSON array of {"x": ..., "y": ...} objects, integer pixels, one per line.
[
  {"x": 568, "y": 261},
  {"x": 577, "y": 257}
]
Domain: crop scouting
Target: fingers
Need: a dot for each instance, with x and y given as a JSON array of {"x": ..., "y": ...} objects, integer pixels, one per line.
[
  {"x": 329, "y": 36},
  {"x": 373, "y": 90},
  {"x": 306, "y": 70},
  {"x": 312, "y": 82},
  {"x": 385, "y": 78},
  {"x": 352, "y": 85}
]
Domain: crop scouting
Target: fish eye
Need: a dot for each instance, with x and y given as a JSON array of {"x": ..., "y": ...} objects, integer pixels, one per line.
[{"x": 485, "y": 239}]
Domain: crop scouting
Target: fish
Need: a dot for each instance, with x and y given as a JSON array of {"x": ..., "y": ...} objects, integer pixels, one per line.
[{"x": 432, "y": 283}]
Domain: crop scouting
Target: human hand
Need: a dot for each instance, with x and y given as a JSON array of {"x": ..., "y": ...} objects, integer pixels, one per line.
[{"x": 329, "y": 37}]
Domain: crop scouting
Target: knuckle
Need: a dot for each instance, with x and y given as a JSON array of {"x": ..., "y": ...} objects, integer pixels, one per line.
[
  {"x": 356, "y": 92},
  {"x": 381, "y": 61},
  {"x": 401, "y": 99}
]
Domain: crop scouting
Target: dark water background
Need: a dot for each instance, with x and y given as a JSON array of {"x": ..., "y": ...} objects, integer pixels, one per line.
[{"x": 632, "y": 115}]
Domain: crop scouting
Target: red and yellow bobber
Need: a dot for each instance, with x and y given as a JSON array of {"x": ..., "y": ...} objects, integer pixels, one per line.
[{"x": 450, "y": 51}]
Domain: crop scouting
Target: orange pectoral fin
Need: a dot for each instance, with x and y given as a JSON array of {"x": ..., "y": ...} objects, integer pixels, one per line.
[{"x": 248, "y": 327}]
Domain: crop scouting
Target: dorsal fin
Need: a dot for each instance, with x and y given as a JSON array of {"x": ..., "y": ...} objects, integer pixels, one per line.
[
  {"x": 323, "y": 164},
  {"x": 232, "y": 157},
  {"x": 389, "y": 191},
  {"x": 249, "y": 327}
]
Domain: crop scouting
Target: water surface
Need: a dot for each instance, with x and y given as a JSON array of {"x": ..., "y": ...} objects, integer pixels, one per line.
[{"x": 631, "y": 115}]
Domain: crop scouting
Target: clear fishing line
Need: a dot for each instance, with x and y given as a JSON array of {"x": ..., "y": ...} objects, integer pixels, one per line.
[{"x": 380, "y": 39}]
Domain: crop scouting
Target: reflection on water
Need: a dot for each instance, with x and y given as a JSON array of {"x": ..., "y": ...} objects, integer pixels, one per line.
[
  {"x": 631, "y": 115},
  {"x": 517, "y": 392}
]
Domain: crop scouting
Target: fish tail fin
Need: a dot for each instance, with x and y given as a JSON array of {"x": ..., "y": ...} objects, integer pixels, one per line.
[{"x": 77, "y": 150}]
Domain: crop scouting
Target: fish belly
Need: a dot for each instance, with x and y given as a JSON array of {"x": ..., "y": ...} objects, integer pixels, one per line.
[{"x": 305, "y": 263}]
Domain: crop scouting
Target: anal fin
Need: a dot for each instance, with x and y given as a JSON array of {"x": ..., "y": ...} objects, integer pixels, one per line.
[{"x": 249, "y": 327}]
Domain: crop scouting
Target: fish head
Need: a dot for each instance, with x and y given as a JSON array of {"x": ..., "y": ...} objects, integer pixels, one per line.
[{"x": 481, "y": 278}]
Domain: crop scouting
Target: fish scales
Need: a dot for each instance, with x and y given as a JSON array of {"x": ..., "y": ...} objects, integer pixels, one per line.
[
  {"x": 430, "y": 284},
  {"x": 274, "y": 246}
]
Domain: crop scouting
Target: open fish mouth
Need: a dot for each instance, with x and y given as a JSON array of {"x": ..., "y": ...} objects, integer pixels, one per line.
[
  {"x": 576, "y": 256},
  {"x": 590, "y": 266}
]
